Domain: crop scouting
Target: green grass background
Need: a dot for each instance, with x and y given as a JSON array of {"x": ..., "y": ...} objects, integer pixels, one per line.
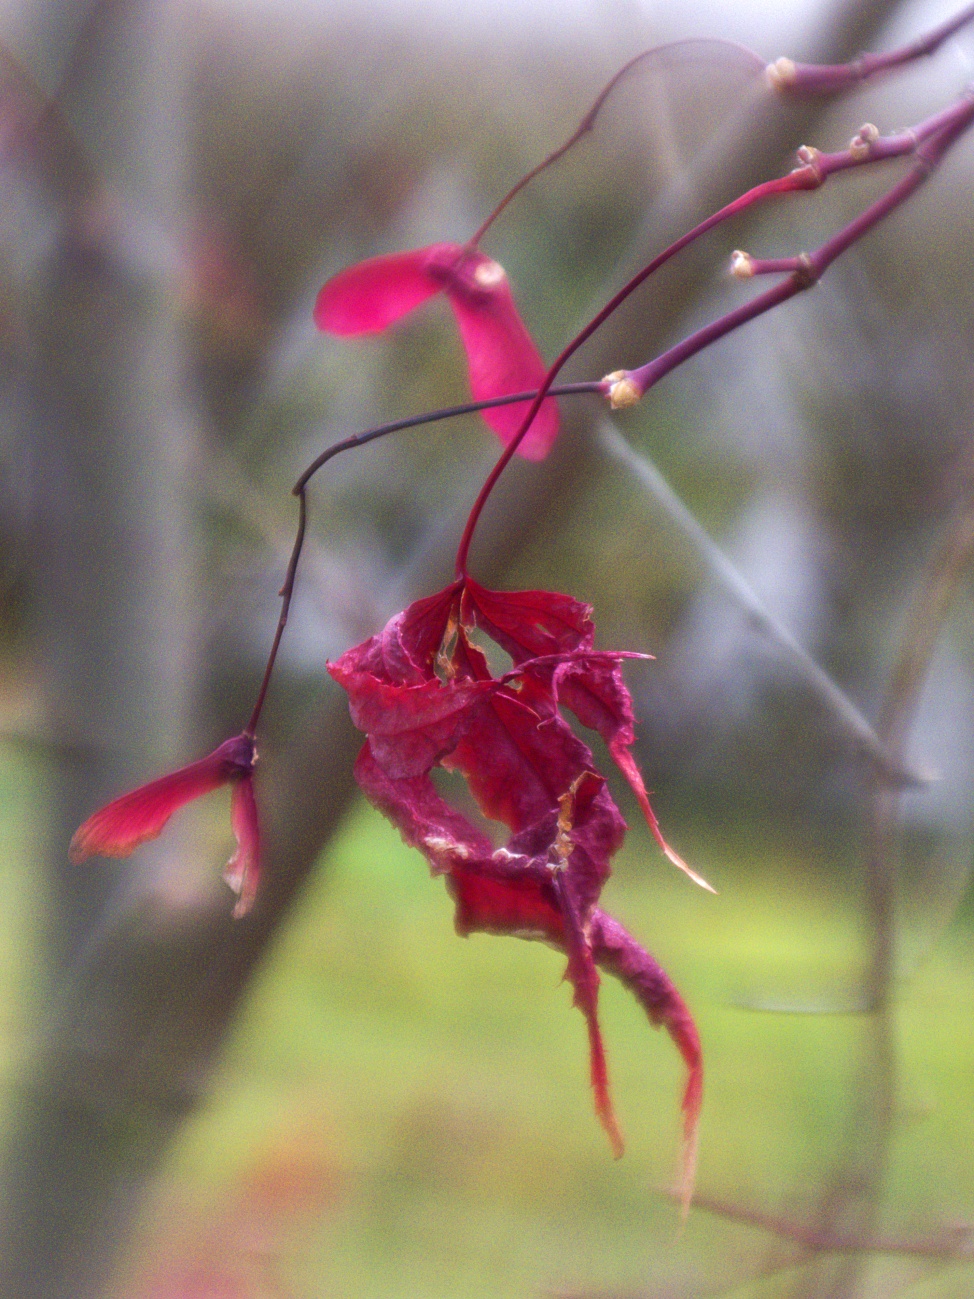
[{"x": 403, "y": 1114}]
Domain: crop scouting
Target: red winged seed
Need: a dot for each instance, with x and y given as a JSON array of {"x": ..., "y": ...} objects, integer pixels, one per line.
[
  {"x": 425, "y": 696},
  {"x": 369, "y": 297},
  {"x": 501, "y": 355},
  {"x": 119, "y": 827},
  {"x": 242, "y": 871}
]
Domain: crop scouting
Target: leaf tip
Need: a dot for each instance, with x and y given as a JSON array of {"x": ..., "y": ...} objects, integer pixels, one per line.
[
  {"x": 687, "y": 1171},
  {"x": 678, "y": 861}
]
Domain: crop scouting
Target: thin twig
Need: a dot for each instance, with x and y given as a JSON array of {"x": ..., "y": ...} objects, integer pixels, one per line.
[
  {"x": 286, "y": 592},
  {"x": 873, "y": 1123},
  {"x": 587, "y": 123},
  {"x": 432, "y": 417},
  {"x": 924, "y": 624},
  {"x": 931, "y": 603},
  {"x": 928, "y": 145},
  {"x": 807, "y": 268}
]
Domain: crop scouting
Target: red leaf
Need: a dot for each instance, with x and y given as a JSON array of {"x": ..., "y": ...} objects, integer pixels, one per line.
[
  {"x": 619, "y": 953},
  {"x": 585, "y": 980},
  {"x": 424, "y": 694},
  {"x": 556, "y": 628},
  {"x": 530, "y": 624}
]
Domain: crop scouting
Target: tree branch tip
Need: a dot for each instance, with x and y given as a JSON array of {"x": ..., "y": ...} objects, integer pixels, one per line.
[
  {"x": 782, "y": 75},
  {"x": 621, "y": 389},
  {"x": 741, "y": 265}
]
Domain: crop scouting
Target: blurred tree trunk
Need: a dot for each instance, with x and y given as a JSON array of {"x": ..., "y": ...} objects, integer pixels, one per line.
[
  {"x": 113, "y": 595},
  {"x": 144, "y": 999}
]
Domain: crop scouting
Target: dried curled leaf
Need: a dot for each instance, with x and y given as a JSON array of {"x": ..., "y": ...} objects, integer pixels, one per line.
[{"x": 424, "y": 693}]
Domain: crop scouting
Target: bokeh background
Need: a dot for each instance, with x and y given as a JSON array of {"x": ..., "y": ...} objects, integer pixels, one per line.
[{"x": 336, "y": 1096}]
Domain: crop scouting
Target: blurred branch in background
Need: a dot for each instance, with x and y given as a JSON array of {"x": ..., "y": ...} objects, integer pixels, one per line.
[
  {"x": 844, "y": 1229},
  {"x": 845, "y": 712}
]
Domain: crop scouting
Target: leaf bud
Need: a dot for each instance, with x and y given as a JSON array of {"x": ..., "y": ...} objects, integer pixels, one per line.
[
  {"x": 741, "y": 265},
  {"x": 810, "y": 157},
  {"x": 621, "y": 390},
  {"x": 781, "y": 75},
  {"x": 860, "y": 143}
]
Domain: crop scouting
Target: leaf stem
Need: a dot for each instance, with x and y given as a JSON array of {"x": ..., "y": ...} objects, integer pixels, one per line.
[{"x": 286, "y": 591}]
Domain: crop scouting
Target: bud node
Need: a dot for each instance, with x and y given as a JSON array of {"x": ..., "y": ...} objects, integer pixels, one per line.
[
  {"x": 489, "y": 274},
  {"x": 862, "y": 141},
  {"x": 621, "y": 390},
  {"x": 805, "y": 272},
  {"x": 741, "y": 265},
  {"x": 781, "y": 75}
]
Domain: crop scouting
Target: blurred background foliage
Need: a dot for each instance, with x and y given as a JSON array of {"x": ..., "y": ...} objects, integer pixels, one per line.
[{"x": 339, "y": 1097}]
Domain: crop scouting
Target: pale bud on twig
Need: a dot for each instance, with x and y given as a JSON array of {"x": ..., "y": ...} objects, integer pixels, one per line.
[
  {"x": 781, "y": 74},
  {"x": 621, "y": 390},
  {"x": 860, "y": 143},
  {"x": 811, "y": 157},
  {"x": 741, "y": 265}
]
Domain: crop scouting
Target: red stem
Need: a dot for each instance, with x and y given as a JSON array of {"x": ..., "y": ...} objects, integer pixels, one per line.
[
  {"x": 927, "y": 156},
  {"x": 936, "y": 135},
  {"x": 800, "y": 179},
  {"x": 824, "y": 79},
  {"x": 347, "y": 444}
]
